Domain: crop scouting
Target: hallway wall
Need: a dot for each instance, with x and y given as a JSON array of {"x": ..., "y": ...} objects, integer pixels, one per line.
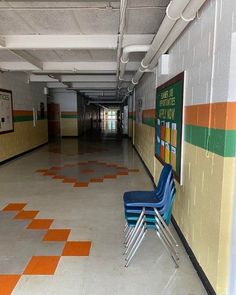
[
  {"x": 68, "y": 107},
  {"x": 25, "y": 97},
  {"x": 203, "y": 207}
]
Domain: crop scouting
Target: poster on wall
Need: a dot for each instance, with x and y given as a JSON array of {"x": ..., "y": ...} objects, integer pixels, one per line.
[
  {"x": 6, "y": 111},
  {"x": 139, "y": 111},
  {"x": 169, "y": 115}
]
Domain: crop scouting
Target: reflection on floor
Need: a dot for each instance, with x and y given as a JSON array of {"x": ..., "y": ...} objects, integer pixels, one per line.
[{"x": 47, "y": 226}]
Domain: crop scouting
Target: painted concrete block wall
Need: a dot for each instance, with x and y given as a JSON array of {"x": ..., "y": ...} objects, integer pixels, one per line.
[
  {"x": 203, "y": 207},
  {"x": 25, "y": 97},
  {"x": 69, "y": 114}
]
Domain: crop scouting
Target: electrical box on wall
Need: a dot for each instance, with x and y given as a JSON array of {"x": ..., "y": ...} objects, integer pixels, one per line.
[
  {"x": 163, "y": 64},
  {"x": 45, "y": 90}
]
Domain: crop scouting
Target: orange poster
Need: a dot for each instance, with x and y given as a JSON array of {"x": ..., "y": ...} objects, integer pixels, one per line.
[{"x": 174, "y": 134}]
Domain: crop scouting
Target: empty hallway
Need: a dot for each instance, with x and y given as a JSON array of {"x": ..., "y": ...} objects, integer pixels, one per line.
[{"x": 117, "y": 147}]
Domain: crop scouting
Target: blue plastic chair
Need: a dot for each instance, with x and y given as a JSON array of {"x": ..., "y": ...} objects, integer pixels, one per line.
[
  {"x": 151, "y": 210},
  {"x": 155, "y": 195},
  {"x": 153, "y": 222}
]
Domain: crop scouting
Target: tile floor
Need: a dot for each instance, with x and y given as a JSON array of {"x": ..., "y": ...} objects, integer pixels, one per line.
[{"x": 60, "y": 238}]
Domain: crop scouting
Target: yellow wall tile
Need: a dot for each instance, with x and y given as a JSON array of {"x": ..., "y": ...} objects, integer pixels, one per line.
[
  {"x": 24, "y": 138},
  {"x": 69, "y": 127},
  {"x": 203, "y": 205}
]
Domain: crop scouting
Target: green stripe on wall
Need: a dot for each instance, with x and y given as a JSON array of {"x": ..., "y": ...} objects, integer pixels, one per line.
[
  {"x": 149, "y": 121},
  {"x": 22, "y": 118},
  {"x": 64, "y": 116},
  {"x": 218, "y": 141}
]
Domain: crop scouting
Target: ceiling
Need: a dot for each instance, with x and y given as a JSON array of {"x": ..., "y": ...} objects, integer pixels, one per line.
[{"x": 75, "y": 44}]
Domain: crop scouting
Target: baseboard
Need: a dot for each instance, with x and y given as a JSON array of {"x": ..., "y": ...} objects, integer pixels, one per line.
[
  {"x": 207, "y": 285},
  {"x": 193, "y": 259},
  {"x": 22, "y": 154}
]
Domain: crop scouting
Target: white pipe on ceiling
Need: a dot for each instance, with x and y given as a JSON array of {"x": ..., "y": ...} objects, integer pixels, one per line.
[
  {"x": 125, "y": 56},
  {"x": 108, "y": 102},
  {"x": 178, "y": 15},
  {"x": 123, "y": 7},
  {"x": 188, "y": 15}
]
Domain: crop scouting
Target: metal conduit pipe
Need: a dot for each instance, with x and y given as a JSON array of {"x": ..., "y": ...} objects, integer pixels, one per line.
[
  {"x": 123, "y": 7},
  {"x": 108, "y": 101},
  {"x": 173, "y": 13},
  {"x": 186, "y": 16},
  {"x": 125, "y": 56}
]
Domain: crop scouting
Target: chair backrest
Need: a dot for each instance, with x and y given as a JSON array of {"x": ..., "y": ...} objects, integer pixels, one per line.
[
  {"x": 166, "y": 192},
  {"x": 167, "y": 214},
  {"x": 166, "y": 170}
]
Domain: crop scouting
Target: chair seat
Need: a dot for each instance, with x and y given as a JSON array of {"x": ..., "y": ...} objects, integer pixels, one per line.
[
  {"x": 136, "y": 198},
  {"x": 138, "y": 210}
]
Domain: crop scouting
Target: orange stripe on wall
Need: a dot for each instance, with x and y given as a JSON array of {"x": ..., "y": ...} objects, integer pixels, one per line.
[
  {"x": 216, "y": 115},
  {"x": 22, "y": 113},
  {"x": 151, "y": 113}
]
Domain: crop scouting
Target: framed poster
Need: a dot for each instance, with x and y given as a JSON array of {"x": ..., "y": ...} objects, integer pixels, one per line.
[
  {"x": 6, "y": 111},
  {"x": 169, "y": 116},
  {"x": 139, "y": 111}
]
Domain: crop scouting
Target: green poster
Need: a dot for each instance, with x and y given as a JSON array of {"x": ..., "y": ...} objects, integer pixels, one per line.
[{"x": 169, "y": 114}]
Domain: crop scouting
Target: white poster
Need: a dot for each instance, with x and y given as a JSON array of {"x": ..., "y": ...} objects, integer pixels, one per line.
[
  {"x": 139, "y": 111},
  {"x": 6, "y": 117}
]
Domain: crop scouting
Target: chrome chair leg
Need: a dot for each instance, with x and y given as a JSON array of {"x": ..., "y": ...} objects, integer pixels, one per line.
[
  {"x": 166, "y": 227},
  {"x": 126, "y": 227},
  {"x": 169, "y": 246},
  {"x": 131, "y": 241},
  {"x": 166, "y": 237},
  {"x": 129, "y": 253},
  {"x": 127, "y": 237},
  {"x": 134, "y": 233},
  {"x": 136, "y": 246}
]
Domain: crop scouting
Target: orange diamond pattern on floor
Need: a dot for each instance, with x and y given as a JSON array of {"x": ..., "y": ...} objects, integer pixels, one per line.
[
  {"x": 40, "y": 224},
  {"x": 8, "y": 283},
  {"x": 81, "y": 174},
  {"x": 26, "y": 214},
  {"x": 42, "y": 265},
  {"x": 14, "y": 207},
  {"x": 73, "y": 248},
  {"x": 56, "y": 235},
  {"x": 81, "y": 184}
]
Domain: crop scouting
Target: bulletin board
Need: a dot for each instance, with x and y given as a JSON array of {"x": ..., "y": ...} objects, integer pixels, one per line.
[
  {"x": 169, "y": 116},
  {"x": 6, "y": 111}
]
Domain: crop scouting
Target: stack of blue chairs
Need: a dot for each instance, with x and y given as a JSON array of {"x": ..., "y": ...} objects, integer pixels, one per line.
[{"x": 151, "y": 210}]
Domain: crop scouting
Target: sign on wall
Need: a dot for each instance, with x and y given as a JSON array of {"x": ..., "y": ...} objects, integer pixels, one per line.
[
  {"x": 169, "y": 114},
  {"x": 6, "y": 111},
  {"x": 139, "y": 111}
]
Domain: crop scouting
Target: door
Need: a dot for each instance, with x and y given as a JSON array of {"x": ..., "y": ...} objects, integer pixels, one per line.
[{"x": 54, "y": 120}]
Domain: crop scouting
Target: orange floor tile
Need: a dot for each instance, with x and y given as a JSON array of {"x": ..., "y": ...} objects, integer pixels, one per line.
[
  {"x": 110, "y": 176},
  {"x": 122, "y": 173},
  {"x": 14, "y": 207},
  {"x": 69, "y": 180},
  {"x": 42, "y": 265},
  {"x": 40, "y": 224},
  {"x": 81, "y": 184},
  {"x": 59, "y": 177},
  {"x": 56, "y": 235},
  {"x": 8, "y": 283},
  {"x": 26, "y": 214},
  {"x": 96, "y": 180},
  {"x": 77, "y": 248}
]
